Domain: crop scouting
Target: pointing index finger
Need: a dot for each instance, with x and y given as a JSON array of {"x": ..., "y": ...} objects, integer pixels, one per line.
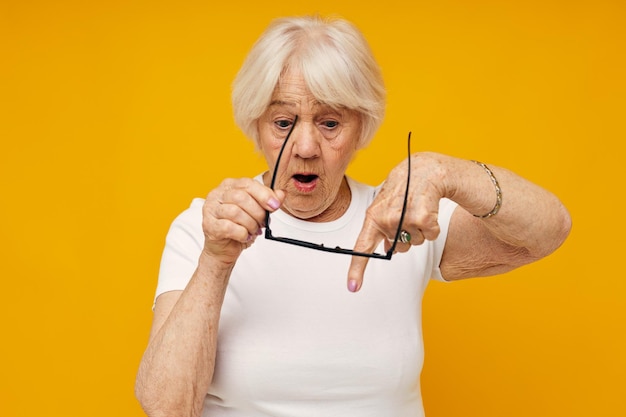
[{"x": 367, "y": 241}]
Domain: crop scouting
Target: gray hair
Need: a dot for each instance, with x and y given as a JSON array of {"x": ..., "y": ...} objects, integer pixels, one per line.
[{"x": 334, "y": 59}]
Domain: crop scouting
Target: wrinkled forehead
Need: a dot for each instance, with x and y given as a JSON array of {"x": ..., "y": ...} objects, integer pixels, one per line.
[{"x": 292, "y": 90}]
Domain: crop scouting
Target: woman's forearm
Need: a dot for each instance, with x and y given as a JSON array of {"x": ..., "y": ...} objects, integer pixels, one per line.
[
  {"x": 530, "y": 223},
  {"x": 177, "y": 367},
  {"x": 529, "y": 216}
]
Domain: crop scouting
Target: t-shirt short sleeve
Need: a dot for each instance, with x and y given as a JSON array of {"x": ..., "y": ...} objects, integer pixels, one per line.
[
  {"x": 446, "y": 208},
  {"x": 183, "y": 245}
]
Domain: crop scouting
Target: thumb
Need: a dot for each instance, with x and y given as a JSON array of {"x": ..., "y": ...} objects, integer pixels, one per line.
[{"x": 367, "y": 241}]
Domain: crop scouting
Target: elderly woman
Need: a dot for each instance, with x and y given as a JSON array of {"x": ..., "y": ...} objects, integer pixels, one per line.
[{"x": 247, "y": 324}]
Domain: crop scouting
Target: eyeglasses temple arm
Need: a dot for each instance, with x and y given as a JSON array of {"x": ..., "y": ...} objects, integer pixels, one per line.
[
  {"x": 406, "y": 197},
  {"x": 268, "y": 232}
]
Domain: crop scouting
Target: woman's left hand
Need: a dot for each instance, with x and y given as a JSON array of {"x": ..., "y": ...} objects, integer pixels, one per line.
[{"x": 427, "y": 187}]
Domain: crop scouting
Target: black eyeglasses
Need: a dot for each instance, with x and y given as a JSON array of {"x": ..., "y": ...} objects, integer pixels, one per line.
[{"x": 337, "y": 249}]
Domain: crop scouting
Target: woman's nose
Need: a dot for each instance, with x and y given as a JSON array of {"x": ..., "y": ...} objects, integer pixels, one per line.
[{"x": 306, "y": 141}]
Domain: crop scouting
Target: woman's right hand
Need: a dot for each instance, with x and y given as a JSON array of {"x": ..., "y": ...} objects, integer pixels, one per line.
[
  {"x": 233, "y": 216},
  {"x": 183, "y": 341}
]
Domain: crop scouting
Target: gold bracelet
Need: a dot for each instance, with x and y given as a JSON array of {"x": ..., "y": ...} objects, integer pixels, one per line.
[{"x": 496, "y": 208}]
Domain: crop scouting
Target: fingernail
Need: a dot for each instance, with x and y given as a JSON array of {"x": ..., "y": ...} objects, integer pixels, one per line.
[
  {"x": 259, "y": 232},
  {"x": 273, "y": 203},
  {"x": 352, "y": 285}
]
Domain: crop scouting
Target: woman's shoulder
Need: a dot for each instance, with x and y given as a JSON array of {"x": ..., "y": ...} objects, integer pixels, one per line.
[
  {"x": 188, "y": 222},
  {"x": 192, "y": 213}
]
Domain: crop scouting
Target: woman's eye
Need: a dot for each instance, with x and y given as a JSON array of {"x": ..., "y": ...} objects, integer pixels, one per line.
[
  {"x": 330, "y": 124},
  {"x": 283, "y": 124}
]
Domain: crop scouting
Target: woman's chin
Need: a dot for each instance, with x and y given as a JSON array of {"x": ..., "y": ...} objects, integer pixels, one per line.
[{"x": 302, "y": 211}]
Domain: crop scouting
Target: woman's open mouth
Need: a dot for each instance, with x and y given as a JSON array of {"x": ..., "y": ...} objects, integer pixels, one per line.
[{"x": 305, "y": 182}]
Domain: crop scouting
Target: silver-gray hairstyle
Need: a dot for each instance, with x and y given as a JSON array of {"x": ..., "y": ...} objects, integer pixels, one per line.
[{"x": 334, "y": 59}]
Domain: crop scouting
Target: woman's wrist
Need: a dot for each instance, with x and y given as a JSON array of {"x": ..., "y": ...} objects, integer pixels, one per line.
[
  {"x": 475, "y": 186},
  {"x": 213, "y": 269},
  {"x": 497, "y": 189}
]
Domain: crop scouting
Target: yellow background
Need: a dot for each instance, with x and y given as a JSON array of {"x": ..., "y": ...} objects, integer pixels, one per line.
[{"x": 115, "y": 114}]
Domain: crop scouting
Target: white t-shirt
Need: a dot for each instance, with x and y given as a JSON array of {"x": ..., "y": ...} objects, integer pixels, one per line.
[{"x": 293, "y": 341}]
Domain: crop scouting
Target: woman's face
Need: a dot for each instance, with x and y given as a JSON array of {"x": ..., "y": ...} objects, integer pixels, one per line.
[{"x": 317, "y": 155}]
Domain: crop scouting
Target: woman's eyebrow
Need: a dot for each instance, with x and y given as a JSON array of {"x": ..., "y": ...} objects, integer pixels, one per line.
[
  {"x": 282, "y": 103},
  {"x": 279, "y": 102}
]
